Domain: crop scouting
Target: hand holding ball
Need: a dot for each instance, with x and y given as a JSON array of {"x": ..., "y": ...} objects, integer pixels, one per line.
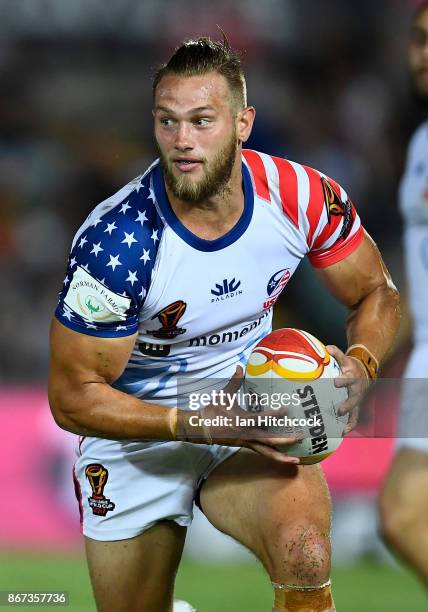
[{"x": 294, "y": 364}]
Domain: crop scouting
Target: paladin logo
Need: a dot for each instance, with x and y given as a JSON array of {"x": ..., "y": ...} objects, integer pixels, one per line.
[{"x": 225, "y": 291}]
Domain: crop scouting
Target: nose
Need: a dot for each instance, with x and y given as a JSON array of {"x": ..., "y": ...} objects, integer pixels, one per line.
[{"x": 183, "y": 139}]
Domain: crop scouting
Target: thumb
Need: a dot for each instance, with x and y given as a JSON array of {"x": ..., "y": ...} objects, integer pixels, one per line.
[
  {"x": 336, "y": 353},
  {"x": 235, "y": 382}
]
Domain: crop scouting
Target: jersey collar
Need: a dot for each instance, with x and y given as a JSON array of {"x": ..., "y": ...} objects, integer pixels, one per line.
[{"x": 191, "y": 239}]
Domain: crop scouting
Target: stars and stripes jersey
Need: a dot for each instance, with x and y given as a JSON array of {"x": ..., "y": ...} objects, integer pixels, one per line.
[
  {"x": 199, "y": 306},
  {"x": 413, "y": 202}
]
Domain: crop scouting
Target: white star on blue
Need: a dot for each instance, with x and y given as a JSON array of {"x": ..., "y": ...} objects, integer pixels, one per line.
[
  {"x": 129, "y": 239},
  {"x": 151, "y": 195},
  {"x": 110, "y": 228},
  {"x": 96, "y": 248},
  {"x": 132, "y": 277},
  {"x": 145, "y": 256},
  {"x": 67, "y": 314},
  {"x": 141, "y": 217},
  {"x": 124, "y": 207},
  {"x": 114, "y": 262}
]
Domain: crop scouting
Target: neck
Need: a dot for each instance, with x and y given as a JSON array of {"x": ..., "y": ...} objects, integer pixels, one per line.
[{"x": 215, "y": 216}]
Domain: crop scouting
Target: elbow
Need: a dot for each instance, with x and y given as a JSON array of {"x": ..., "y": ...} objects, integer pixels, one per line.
[
  {"x": 61, "y": 417},
  {"x": 62, "y": 413},
  {"x": 394, "y": 299}
]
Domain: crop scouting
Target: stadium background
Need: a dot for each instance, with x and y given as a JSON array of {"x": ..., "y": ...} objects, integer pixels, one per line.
[{"x": 328, "y": 81}]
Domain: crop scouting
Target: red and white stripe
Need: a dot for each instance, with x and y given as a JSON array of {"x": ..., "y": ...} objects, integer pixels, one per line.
[{"x": 298, "y": 190}]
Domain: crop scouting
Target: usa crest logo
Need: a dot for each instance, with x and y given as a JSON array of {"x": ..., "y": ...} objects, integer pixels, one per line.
[{"x": 275, "y": 285}]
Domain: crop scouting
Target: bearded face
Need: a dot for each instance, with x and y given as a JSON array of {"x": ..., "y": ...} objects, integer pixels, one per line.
[
  {"x": 213, "y": 176},
  {"x": 198, "y": 134}
]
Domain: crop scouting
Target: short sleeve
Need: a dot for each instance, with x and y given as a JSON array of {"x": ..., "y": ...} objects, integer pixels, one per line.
[
  {"x": 109, "y": 270},
  {"x": 334, "y": 225}
]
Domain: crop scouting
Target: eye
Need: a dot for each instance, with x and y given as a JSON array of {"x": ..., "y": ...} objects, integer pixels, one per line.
[
  {"x": 202, "y": 122},
  {"x": 166, "y": 121}
]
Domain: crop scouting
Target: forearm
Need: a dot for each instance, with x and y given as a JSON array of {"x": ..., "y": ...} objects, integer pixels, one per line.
[
  {"x": 375, "y": 321},
  {"x": 97, "y": 409}
]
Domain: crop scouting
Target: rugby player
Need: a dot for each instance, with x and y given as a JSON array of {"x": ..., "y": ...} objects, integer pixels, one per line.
[
  {"x": 404, "y": 498},
  {"x": 173, "y": 279}
]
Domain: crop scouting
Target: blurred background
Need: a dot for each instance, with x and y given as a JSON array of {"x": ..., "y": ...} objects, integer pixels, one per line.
[{"x": 329, "y": 83}]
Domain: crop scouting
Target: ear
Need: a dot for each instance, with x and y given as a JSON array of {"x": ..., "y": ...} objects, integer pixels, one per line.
[{"x": 245, "y": 119}]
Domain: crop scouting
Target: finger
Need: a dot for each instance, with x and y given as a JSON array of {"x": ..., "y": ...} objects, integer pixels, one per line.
[
  {"x": 353, "y": 420},
  {"x": 336, "y": 353},
  {"x": 272, "y": 453},
  {"x": 348, "y": 405},
  {"x": 235, "y": 382},
  {"x": 280, "y": 441},
  {"x": 343, "y": 381}
]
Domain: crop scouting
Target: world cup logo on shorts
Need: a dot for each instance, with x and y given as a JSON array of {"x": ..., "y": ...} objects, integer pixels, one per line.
[{"x": 97, "y": 475}]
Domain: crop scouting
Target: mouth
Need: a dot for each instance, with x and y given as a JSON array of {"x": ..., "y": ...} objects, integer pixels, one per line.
[{"x": 187, "y": 164}]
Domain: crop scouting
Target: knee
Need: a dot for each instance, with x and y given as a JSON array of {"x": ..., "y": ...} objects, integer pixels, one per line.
[{"x": 300, "y": 555}]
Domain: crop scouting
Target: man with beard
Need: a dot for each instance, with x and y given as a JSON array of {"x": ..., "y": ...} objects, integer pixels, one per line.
[
  {"x": 404, "y": 499},
  {"x": 170, "y": 285}
]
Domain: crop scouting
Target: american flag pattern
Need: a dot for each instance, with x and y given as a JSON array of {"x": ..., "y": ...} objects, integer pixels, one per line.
[
  {"x": 114, "y": 253},
  {"x": 298, "y": 190},
  {"x": 116, "y": 246}
]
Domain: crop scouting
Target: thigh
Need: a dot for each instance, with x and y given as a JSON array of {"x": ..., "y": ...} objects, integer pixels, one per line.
[
  {"x": 260, "y": 502},
  {"x": 138, "y": 573},
  {"x": 407, "y": 481}
]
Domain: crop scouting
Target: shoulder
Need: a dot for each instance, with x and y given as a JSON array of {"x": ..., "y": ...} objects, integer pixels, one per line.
[
  {"x": 130, "y": 205},
  {"x": 302, "y": 191},
  {"x": 284, "y": 176},
  {"x": 314, "y": 206},
  {"x": 119, "y": 240}
]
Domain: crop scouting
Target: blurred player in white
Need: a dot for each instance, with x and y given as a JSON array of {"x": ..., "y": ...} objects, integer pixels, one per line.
[
  {"x": 174, "y": 279},
  {"x": 404, "y": 499}
]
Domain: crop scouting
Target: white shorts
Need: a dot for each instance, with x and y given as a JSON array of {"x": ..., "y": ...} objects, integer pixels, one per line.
[
  {"x": 413, "y": 422},
  {"x": 126, "y": 487}
]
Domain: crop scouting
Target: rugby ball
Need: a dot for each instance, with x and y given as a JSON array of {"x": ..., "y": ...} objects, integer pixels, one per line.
[{"x": 291, "y": 371}]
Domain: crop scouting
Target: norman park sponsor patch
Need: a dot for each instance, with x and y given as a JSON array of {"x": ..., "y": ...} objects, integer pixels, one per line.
[{"x": 93, "y": 301}]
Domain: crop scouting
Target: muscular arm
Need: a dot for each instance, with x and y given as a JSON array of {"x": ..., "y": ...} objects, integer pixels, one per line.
[
  {"x": 81, "y": 397},
  {"x": 83, "y": 401},
  {"x": 363, "y": 284}
]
